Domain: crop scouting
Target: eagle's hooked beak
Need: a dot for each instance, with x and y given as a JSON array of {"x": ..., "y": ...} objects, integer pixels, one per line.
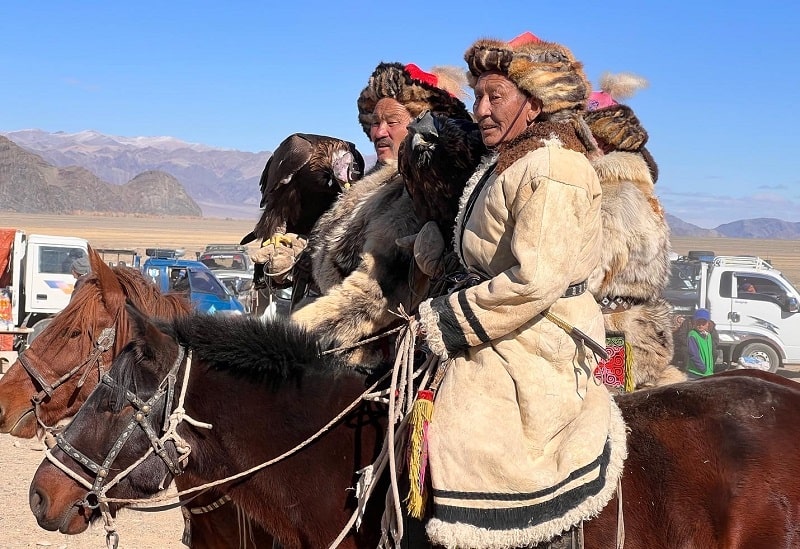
[{"x": 342, "y": 171}]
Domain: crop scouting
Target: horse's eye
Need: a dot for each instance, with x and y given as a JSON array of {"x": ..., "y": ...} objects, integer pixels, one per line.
[{"x": 74, "y": 333}]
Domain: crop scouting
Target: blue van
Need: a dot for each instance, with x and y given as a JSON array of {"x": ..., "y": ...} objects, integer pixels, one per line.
[{"x": 207, "y": 293}]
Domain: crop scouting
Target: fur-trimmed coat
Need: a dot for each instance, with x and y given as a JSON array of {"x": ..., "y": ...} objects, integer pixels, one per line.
[
  {"x": 362, "y": 272},
  {"x": 635, "y": 265},
  {"x": 525, "y": 442}
]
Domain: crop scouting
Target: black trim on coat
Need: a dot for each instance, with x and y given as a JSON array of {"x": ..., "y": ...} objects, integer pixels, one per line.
[
  {"x": 472, "y": 319},
  {"x": 452, "y": 336},
  {"x": 529, "y": 515}
]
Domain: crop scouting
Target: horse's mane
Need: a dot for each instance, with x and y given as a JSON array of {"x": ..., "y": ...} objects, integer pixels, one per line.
[
  {"x": 109, "y": 289},
  {"x": 271, "y": 352},
  {"x": 147, "y": 297}
]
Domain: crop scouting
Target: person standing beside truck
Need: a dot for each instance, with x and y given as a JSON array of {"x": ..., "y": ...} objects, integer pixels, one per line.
[{"x": 701, "y": 346}]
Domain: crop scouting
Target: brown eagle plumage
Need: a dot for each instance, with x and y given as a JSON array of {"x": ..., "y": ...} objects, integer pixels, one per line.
[
  {"x": 436, "y": 159},
  {"x": 301, "y": 181}
]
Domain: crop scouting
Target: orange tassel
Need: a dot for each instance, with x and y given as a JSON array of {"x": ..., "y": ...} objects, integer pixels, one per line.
[{"x": 417, "y": 457}]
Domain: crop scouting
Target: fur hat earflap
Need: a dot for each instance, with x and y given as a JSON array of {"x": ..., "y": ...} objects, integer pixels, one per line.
[
  {"x": 417, "y": 90},
  {"x": 544, "y": 70},
  {"x": 613, "y": 124}
]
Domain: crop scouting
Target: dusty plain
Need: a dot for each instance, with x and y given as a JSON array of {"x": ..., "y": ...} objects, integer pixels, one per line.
[{"x": 19, "y": 458}]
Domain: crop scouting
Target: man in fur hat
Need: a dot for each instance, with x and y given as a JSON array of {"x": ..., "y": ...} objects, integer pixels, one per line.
[
  {"x": 524, "y": 443},
  {"x": 635, "y": 262},
  {"x": 361, "y": 271}
]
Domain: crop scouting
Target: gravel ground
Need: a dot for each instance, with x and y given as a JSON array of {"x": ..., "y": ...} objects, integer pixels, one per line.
[{"x": 18, "y": 529}]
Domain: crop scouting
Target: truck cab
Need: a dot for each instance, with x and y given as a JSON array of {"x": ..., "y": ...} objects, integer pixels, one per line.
[
  {"x": 36, "y": 275},
  {"x": 756, "y": 310}
]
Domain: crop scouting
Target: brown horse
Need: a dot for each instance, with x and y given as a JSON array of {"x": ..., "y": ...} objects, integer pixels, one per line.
[
  {"x": 276, "y": 368},
  {"x": 70, "y": 342},
  {"x": 711, "y": 462}
]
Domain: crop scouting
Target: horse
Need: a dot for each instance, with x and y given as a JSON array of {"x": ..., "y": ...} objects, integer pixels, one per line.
[
  {"x": 55, "y": 375},
  {"x": 280, "y": 397},
  {"x": 710, "y": 461}
]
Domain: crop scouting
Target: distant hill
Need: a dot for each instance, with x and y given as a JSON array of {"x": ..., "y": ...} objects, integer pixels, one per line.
[
  {"x": 29, "y": 184},
  {"x": 218, "y": 176},
  {"x": 764, "y": 227},
  {"x": 679, "y": 227},
  {"x": 72, "y": 171}
]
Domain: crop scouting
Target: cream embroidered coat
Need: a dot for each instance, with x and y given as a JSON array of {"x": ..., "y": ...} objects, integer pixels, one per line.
[{"x": 524, "y": 441}]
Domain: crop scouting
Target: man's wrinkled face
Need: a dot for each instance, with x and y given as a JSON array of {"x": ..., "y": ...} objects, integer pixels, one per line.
[
  {"x": 389, "y": 128},
  {"x": 501, "y": 109}
]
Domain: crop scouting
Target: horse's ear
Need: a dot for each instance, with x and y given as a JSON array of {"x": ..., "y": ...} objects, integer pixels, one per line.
[
  {"x": 137, "y": 319},
  {"x": 145, "y": 333},
  {"x": 110, "y": 287}
]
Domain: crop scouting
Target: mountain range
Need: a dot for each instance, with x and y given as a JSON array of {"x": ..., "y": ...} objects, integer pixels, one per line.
[{"x": 90, "y": 171}]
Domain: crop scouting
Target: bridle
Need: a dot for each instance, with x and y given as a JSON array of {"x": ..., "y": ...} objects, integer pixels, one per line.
[
  {"x": 141, "y": 418},
  {"x": 103, "y": 343}
]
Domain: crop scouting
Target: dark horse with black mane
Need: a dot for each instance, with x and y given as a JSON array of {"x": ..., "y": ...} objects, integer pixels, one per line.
[
  {"x": 711, "y": 463},
  {"x": 71, "y": 354}
]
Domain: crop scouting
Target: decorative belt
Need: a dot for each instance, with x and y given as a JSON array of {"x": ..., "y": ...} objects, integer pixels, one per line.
[
  {"x": 618, "y": 304},
  {"x": 575, "y": 290}
]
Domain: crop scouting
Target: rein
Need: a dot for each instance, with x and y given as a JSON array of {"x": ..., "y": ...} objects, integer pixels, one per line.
[{"x": 104, "y": 342}]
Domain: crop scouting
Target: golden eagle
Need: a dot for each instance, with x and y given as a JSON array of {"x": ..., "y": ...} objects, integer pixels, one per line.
[
  {"x": 301, "y": 181},
  {"x": 436, "y": 159}
]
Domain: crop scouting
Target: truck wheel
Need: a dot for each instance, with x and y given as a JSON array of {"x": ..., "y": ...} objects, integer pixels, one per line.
[
  {"x": 762, "y": 351},
  {"x": 38, "y": 328}
]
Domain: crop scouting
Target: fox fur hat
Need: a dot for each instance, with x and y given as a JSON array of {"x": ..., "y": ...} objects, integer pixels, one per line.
[
  {"x": 612, "y": 122},
  {"x": 545, "y": 70},
  {"x": 614, "y": 125},
  {"x": 439, "y": 91}
]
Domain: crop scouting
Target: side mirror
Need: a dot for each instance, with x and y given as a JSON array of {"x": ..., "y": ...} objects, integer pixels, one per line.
[
  {"x": 791, "y": 305},
  {"x": 237, "y": 285}
]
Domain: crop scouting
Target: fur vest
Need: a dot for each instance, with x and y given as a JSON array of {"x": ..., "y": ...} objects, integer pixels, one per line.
[
  {"x": 635, "y": 266},
  {"x": 635, "y": 260},
  {"x": 364, "y": 275}
]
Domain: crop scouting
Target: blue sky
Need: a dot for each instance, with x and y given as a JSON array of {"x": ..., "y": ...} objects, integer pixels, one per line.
[{"x": 721, "y": 109}]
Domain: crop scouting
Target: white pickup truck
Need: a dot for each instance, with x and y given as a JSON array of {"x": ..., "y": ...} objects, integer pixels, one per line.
[
  {"x": 36, "y": 276},
  {"x": 755, "y": 308}
]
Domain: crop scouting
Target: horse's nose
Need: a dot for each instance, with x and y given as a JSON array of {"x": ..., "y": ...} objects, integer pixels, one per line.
[{"x": 39, "y": 503}]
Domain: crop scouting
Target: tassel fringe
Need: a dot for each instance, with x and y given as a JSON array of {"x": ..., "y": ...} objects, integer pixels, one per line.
[
  {"x": 421, "y": 415},
  {"x": 630, "y": 384}
]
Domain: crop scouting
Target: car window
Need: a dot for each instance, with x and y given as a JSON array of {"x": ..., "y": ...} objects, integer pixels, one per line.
[
  {"x": 228, "y": 261},
  {"x": 204, "y": 282},
  {"x": 154, "y": 275}
]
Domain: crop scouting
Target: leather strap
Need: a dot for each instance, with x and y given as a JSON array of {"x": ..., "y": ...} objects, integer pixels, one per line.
[{"x": 575, "y": 290}]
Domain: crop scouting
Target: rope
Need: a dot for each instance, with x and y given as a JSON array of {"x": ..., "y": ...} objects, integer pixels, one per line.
[
  {"x": 363, "y": 341},
  {"x": 255, "y": 468}
]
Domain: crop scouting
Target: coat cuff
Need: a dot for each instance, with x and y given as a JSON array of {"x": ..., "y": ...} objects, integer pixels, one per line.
[
  {"x": 429, "y": 319},
  {"x": 444, "y": 334}
]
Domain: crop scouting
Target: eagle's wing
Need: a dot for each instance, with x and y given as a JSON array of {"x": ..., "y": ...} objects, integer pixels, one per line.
[{"x": 293, "y": 153}]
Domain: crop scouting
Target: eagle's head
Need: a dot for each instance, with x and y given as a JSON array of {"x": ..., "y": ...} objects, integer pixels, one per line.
[
  {"x": 345, "y": 168},
  {"x": 423, "y": 133},
  {"x": 436, "y": 159}
]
